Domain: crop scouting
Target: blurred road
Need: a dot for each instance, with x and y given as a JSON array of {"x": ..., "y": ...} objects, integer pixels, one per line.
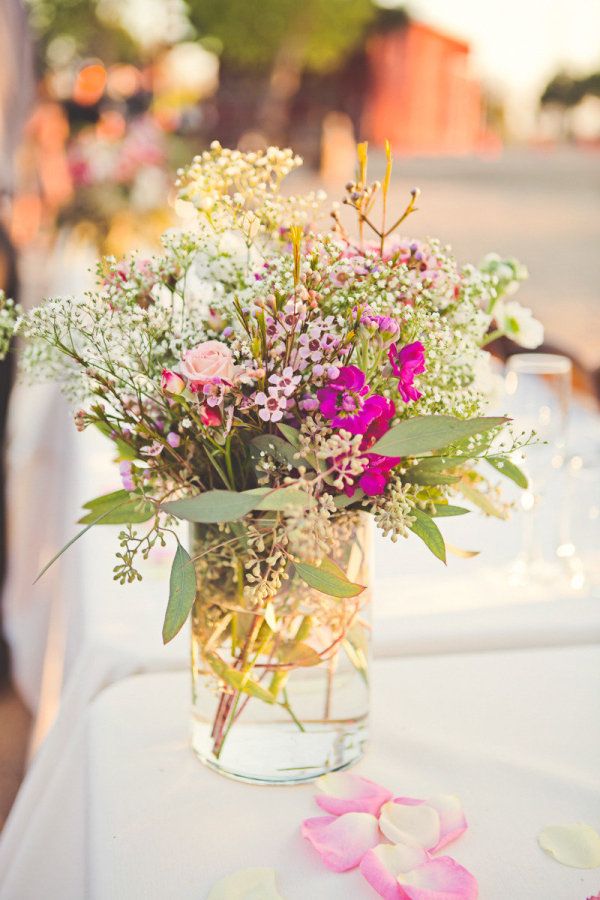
[{"x": 541, "y": 206}]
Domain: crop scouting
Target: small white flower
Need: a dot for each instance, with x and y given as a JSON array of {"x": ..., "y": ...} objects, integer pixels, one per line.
[{"x": 517, "y": 322}]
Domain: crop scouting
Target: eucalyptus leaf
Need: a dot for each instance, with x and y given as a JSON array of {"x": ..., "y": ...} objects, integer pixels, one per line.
[
  {"x": 416, "y": 476},
  {"x": 227, "y": 506},
  {"x": 130, "y": 509},
  {"x": 299, "y": 653},
  {"x": 425, "y": 528},
  {"x": 424, "y": 434},
  {"x": 507, "y": 468},
  {"x": 125, "y": 452},
  {"x": 239, "y": 681},
  {"x": 182, "y": 593},
  {"x": 482, "y": 501},
  {"x": 341, "y": 501},
  {"x": 290, "y": 434},
  {"x": 278, "y": 448},
  {"x": 100, "y": 515},
  {"x": 445, "y": 509},
  {"x": 328, "y": 578}
]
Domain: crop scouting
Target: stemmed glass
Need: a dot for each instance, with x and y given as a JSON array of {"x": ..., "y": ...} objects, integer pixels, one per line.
[{"x": 538, "y": 388}]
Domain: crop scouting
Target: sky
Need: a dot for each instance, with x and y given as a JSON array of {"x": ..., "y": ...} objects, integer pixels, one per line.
[{"x": 518, "y": 45}]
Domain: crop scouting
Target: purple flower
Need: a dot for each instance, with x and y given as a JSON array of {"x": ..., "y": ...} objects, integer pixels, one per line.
[
  {"x": 384, "y": 327},
  {"x": 406, "y": 363},
  {"x": 274, "y": 404},
  {"x": 375, "y": 477},
  {"x": 173, "y": 439},
  {"x": 343, "y": 401},
  {"x": 126, "y": 473}
]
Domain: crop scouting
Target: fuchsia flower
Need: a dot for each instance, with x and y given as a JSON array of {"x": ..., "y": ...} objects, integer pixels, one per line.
[
  {"x": 343, "y": 401},
  {"x": 363, "y": 816},
  {"x": 171, "y": 382},
  {"x": 406, "y": 363}
]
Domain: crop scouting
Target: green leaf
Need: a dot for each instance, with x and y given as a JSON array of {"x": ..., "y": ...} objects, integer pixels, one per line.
[
  {"x": 121, "y": 508},
  {"x": 425, "y": 528},
  {"x": 182, "y": 593},
  {"x": 239, "y": 681},
  {"x": 286, "y": 498},
  {"x": 215, "y": 506},
  {"x": 98, "y": 518},
  {"x": 226, "y": 506},
  {"x": 445, "y": 509},
  {"x": 424, "y": 434},
  {"x": 415, "y": 476},
  {"x": 279, "y": 449},
  {"x": 482, "y": 501},
  {"x": 508, "y": 469},
  {"x": 341, "y": 501},
  {"x": 328, "y": 578},
  {"x": 299, "y": 653},
  {"x": 290, "y": 434},
  {"x": 124, "y": 451}
]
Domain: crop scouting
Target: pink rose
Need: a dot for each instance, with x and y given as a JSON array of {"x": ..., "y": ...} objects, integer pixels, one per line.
[
  {"x": 208, "y": 361},
  {"x": 210, "y": 416},
  {"x": 171, "y": 382}
]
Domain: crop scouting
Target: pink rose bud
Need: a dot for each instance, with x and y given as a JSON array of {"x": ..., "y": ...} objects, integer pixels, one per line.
[
  {"x": 210, "y": 416},
  {"x": 171, "y": 382}
]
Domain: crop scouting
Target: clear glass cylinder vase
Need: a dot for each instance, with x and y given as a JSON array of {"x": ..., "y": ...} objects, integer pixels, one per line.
[{"x": 281, "y": 683}]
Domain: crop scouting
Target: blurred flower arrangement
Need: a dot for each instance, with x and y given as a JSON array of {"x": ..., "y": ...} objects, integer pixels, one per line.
[
  {"x": 120, "y": 182},
  {"x": 271, "y": 383}
]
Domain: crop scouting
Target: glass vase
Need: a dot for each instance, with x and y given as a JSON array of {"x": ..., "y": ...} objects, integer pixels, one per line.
[{"x": 280, "y": 682}]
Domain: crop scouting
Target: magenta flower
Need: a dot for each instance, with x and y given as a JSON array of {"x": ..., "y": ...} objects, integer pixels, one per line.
[
  {"x": 343, "y": 401},
  {"x": 406, "y": 363}
]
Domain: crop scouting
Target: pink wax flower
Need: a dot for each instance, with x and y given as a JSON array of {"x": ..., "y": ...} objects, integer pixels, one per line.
[
  {"x": 210, "y": 416},
  {"x": 126, "y": 472},
  {"x": 171, "y": 382},
  {"x": 208, "y": 361},
  {"x": 273, "y": 404},
  {"x": 343, "y": 401},
  {"x": 406, "y": 363},
  {"x": 173, "y": 439},
  {"x": 214, "y": 391}
]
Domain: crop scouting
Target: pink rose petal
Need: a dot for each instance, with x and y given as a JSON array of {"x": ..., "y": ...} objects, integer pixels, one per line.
[
  {"x": 382, "y": 865},
  {"x": 452, "y": 818},
  {"x": 412, "y": 823},
  {"x": 438, "y": 879},
  {"x": 344, "y": 793},
  {"x": 343, "y": 841},
  {"x": 452, "y": 822}
]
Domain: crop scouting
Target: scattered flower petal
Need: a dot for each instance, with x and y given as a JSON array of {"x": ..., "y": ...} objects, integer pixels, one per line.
[
  {"x": 342, "y": 842},
  {"x": 438, "y": 879},
  {"x": 576, "y": 845},
  {"x": 247, "y": 884},
  {"x": 343, "y": 792},
  {"x": 413, "y": 823},
  {"x": 382, "y": 865}
]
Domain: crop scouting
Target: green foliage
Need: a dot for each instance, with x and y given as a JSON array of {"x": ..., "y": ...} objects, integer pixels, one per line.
[
  {"x": 425, "y": 434},
  {"x": 508, "y": 469},
  {"x": 328, "y": 578},
  {"x": 118, "y": 508},
  {"x": 227, "y": 506},
  {"x": 425, "y": 528},
  {"x": 315, "y": 34},
  {"x": 182, "y": 592}
]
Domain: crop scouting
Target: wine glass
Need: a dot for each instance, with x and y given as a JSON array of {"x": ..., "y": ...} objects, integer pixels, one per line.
[{"x": 538, "y": 389}]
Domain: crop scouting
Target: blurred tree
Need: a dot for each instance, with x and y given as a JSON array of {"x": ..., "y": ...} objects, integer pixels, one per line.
[
  {"x": 284, "y": 39},
  {"x": 79, "y": 24},
  {"x": 565, "y": 90}
]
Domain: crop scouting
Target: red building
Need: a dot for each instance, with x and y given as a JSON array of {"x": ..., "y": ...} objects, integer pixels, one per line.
[{"x": 421, "y": 94}]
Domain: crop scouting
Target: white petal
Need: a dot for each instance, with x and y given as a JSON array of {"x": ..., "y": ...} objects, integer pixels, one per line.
[
  {"x": 412, "y": 825},
  {"x": 247, "y": 884},
  {"x": 576, "y": 845}
]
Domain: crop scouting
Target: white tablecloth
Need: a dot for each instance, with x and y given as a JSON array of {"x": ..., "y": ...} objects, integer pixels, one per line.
[{"x": 129, "y": 813}]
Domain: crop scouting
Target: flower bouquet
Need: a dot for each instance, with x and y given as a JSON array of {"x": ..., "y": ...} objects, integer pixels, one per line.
[{"x": 279, "y": 387}]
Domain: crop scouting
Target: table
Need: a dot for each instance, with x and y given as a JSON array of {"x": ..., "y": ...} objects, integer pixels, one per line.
[{"x": 154, "y": 824}]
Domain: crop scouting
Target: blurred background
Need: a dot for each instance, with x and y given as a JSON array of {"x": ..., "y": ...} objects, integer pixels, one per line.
[{"x": 492, "y": 109}]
